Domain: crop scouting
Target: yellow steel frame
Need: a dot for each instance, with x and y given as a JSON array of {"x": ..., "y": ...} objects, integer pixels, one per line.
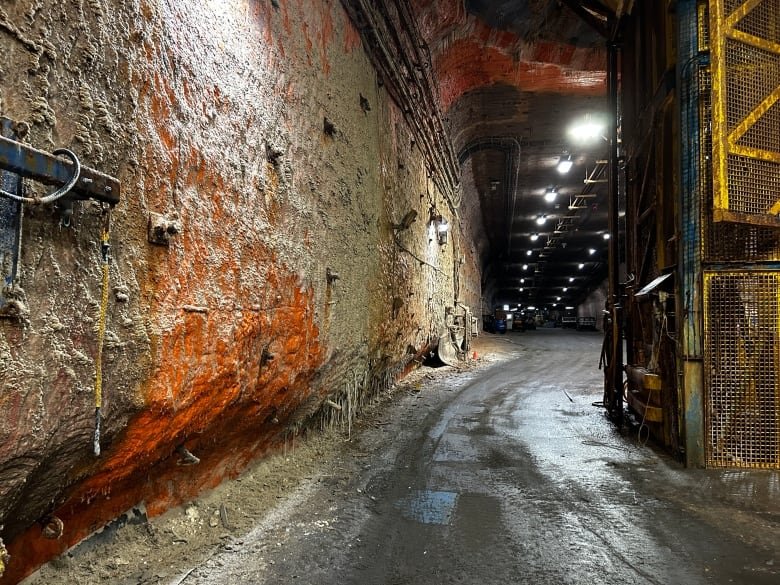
[{"x": 723, "y": 27}]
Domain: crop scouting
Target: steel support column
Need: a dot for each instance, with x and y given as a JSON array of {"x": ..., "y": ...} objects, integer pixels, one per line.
[
  {"x": 689, "y": 297},
  {"x": 615, "y": 395}
]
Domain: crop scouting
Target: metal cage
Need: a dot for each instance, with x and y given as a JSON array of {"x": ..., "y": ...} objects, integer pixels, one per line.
[
  {"x": 742, "y": 361},
  {"x": 745, "y": 49}
]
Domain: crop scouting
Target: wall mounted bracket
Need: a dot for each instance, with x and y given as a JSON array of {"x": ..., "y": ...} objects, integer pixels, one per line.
[
  {"x": 31, "y": 163},
  {"x": 20, "y": 161}
]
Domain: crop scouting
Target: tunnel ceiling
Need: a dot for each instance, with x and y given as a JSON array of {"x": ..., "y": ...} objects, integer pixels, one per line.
[{"x": 512, "y": 77}]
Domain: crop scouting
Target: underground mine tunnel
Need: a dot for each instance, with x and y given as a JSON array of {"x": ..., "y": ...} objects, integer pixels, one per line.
[{"x": 224, "y": 225}]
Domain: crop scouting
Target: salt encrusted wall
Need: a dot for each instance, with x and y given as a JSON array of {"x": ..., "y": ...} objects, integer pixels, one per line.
[{"x": 260, "y": 129}]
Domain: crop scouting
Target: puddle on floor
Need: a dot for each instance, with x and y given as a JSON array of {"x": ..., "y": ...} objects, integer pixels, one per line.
[{"x": 428, "y": 507}]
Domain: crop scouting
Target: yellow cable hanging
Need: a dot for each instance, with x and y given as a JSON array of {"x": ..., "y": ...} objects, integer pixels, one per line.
[{"x": 105, "y": 250}]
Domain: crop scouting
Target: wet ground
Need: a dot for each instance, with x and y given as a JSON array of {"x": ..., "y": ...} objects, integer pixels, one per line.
[{"x": 502, "y": 473}]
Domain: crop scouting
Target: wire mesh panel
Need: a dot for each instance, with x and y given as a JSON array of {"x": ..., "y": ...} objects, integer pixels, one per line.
[
  {"x": 745, "y": 48},
  {"x": 727, "y": 241},
  {"x": 742, "y": 365}
]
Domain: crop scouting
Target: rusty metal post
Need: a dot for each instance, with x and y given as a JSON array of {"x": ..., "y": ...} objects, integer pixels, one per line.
[
  {"x": 691, "y": 198},
  {"x": 615, "y": 394}
]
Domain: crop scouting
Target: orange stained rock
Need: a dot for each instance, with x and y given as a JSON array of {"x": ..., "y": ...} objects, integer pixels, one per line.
[
  {"x": 468, "y": 65},
  {"x": 213, "y": 391}
]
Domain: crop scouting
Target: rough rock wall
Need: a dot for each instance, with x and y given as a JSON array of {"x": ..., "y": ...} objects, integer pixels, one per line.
[
  {"x": 261, "y": 130},
  {"x": 475, "y": 249}
]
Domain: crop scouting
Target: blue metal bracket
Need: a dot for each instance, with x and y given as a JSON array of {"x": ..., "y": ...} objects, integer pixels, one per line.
[
  {"x": 31, "y": 163},
  {"x": 10, "y": 223},
  {"x": 20, "y": 161}
]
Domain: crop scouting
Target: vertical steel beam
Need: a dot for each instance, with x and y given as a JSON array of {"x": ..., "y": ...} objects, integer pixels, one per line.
[
  {"x": 615, "y": 406},
  {"x": 691, "y": 198}
]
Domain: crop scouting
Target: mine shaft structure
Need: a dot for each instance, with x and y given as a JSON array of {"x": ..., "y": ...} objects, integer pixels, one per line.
[{"x": 700, "y": 166}]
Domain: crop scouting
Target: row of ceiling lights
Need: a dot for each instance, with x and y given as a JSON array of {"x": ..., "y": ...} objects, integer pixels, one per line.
[{"x": 584, "y": 131}]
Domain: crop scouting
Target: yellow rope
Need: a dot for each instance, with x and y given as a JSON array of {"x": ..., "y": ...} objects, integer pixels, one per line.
[
  {"x": 101, "y": 336},
  {"x": 101, "y": 333}
]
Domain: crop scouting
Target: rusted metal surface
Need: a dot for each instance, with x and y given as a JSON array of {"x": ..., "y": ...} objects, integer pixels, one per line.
[{"x": 742, "y": 368}]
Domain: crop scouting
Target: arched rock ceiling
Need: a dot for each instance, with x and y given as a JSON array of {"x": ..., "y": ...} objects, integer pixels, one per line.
[{"x": 511, "y": 77}]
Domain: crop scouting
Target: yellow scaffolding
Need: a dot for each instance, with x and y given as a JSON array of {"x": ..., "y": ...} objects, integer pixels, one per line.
[{"x": 744, "y": 40}]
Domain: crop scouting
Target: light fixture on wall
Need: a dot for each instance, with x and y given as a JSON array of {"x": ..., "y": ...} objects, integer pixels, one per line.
[
  {"x": 606, "y": 236},
  {"x": 581, "y": 266},
  {"x": 534, "y": 237},
  {"x": 441, "y": 226},
  {"x": 591, "y": 251},
  {"x": 529, "y": 252},
  {"x": 442, "y": 229},
  {"x": 550, "y": 194},
  {"x": 564, "y": 164},
  {"x": 541, "y": 219}
]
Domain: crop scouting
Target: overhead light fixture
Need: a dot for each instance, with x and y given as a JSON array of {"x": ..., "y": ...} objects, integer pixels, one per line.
[
  {"x": 571, "y": 279},
  {"x": 531, "y": 308},
  {"x": 569, "y": 308},
  {"x": 541, "y": 219},
  {"x": 591, "y": 251},
  {"x": 506, "y": 307},
  {"x": 565, "y": 164},
  {"x": 529, "y": 252},
  {"x": 587, "y": 130},
  {"x": 581, "y": 266},
  {"x": 550, "y": 194},
  {"x": 557, "y": 298},
  {"x": 525, "y": 266},
  {"x": 565, "y": 288},
  {"x": 534, "y": 237},
  {"x": 522, "y": 281},
  {"x": 521, "y": 289},
  {"x": 606, "y": 236}
]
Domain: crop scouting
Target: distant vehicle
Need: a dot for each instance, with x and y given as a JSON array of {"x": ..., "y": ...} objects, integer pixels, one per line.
[
  {"x": 586, "y": 323},
  {"x": 493, "y": 324},
  {"x": 500, "y": 322},
  {"x": 499, "y": 325},
  {"x": 570, "y": 321}
]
